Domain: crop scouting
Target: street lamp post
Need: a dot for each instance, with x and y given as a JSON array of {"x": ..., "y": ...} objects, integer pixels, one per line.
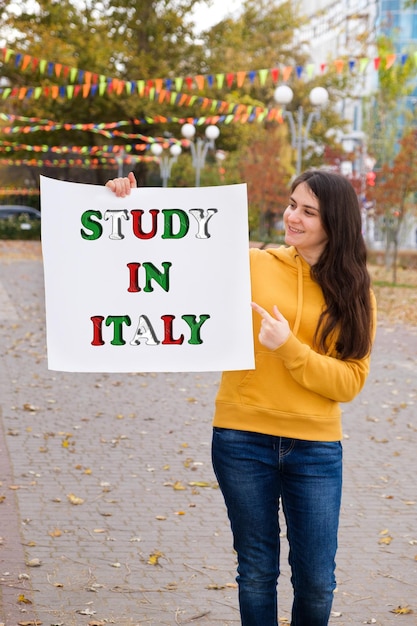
[
  {"x": 120, "y": 159},
  {"x": 355, "y": 142},
  {"x": 166, "y": 162},
  {"x": 299, "y": 134},
  {"x": 199, "y": 147}
]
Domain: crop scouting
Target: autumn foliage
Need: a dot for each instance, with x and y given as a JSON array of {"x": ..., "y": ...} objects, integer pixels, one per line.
[
  {"x": 394, "y": 191},
  {"x": 263, "y": 167}
]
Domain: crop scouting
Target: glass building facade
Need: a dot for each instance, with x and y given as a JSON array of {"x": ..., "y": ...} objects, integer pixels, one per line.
[{"x": 399, "y": 23}]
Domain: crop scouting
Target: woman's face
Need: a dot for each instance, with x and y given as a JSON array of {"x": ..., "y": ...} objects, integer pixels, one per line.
[{"x": 303, "y": 227}]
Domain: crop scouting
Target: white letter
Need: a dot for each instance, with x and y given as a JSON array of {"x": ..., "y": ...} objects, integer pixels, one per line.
[
  {"x": 202, "y": 221},
  {"x": 144, "y": 331},
  {"x": 116, "y": 215}
]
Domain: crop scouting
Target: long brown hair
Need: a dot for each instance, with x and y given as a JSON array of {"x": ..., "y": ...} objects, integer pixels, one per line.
[{"x": 341, "y": 270}]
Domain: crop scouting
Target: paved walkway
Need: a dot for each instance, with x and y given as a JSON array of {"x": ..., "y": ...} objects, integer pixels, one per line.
[{"x": 109, "y": 510}]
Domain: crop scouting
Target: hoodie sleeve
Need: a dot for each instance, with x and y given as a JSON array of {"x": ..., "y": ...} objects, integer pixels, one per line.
[
  {"x": 336, "y": 379},
  {"x": 328, "y": 376}
]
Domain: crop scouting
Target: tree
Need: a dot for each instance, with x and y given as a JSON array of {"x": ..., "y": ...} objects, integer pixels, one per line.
[
  {"x": 150, "y": 40},
  {"x": 265, "y": 165},
  {"x": 385, "y": 111},
  {"x": 395, "y": 194},
  {"x": 120, "y": 39}
]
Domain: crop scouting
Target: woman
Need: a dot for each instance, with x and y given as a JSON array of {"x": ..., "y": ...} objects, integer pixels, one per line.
[{"x": 277, "y": 429}]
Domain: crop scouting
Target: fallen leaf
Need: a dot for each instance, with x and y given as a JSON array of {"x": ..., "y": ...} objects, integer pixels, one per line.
[
  {"x": 170, "y": 586},
  {"x": 199, "y": 483},
  {"x": 154, "y": 558},
  {"x": 178, "y": 486},
  {"x": 86, "y": 612},
  {"x": 31, "y": 622},
  {"x": 74, "y": 499},
  {"x": 29, "y": 407},
  {"x": 55, "y": 533},
  {"x": 34, "y": 563},
  {"x": 23, "y": 600},
  {"x": 402, "y": 610},
  {"x": 385, "y": 540}
]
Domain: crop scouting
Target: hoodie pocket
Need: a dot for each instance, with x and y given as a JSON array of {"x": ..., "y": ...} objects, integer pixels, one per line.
[{"x": 271, "y": 387}]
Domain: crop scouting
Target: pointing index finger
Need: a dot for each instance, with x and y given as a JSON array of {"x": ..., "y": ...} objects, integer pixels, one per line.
[{"x": 262, "y": 312}]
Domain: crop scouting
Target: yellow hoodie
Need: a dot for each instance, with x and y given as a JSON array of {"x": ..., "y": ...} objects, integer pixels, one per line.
[{"x": 294, "y": 391}]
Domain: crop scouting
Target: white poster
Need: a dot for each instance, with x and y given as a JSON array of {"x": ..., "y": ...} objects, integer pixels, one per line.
[{"x": 154, "y": 282}]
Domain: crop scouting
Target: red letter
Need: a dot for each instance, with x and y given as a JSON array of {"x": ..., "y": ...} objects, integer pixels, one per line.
[
  {"x": 134, "y": 285},
  {"x": 168, "y": 338},
  {"x": 97, "y": 336},
  {"x": 137, "y": 223}
]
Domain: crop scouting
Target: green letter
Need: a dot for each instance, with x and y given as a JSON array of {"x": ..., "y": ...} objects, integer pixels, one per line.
[
  {"x": 155, "y": 274},
  {"x": 95, "y": 227},
  {"x": 195, "y": 326},
  {"x": 118, "y": 321},
  {"x": 168, "y": 229}
]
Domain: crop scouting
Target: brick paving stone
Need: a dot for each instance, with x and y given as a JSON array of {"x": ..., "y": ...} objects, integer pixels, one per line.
[{"x": 126, "y": 443}]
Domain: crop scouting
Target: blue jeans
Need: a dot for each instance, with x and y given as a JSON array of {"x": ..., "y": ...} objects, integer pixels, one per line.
[{"x": 255, "y": 472}]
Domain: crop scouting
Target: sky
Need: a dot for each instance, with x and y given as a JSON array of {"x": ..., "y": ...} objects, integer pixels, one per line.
[{"x": 206, "y": 17}]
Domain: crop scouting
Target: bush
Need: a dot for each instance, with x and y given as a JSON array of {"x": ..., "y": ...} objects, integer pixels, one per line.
[
  {"x": 16, "y": 228},
  {"x": 407, "y": 259}
]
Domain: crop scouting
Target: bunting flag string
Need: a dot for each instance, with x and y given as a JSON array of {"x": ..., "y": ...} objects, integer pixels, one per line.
[
  {"x": 238, "y": 112},
  {"x": 75, "y": 77},
  {"x": 110, "y": 163},
  {"x": 20, "y": 118},
  {"x": 19, "y": 192},
  {"x": 257, "y": 114},
  {"x": 104, "y": 150}
]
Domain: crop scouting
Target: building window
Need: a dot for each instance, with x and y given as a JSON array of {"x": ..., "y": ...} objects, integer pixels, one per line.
[{"x": 390, "y": 5}]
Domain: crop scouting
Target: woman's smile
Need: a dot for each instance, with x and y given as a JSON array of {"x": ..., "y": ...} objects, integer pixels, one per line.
[{"x": 303, "y": 227}]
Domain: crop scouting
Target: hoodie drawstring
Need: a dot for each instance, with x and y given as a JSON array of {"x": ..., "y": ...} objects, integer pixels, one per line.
[{"x": 300, "y": 292}]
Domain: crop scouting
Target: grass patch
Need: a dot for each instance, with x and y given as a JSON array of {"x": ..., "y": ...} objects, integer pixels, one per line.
[{"x": 385, "y": 283}]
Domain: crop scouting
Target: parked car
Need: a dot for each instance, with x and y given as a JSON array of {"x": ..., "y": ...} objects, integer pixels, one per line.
[{"x": 20, "y": 211}]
